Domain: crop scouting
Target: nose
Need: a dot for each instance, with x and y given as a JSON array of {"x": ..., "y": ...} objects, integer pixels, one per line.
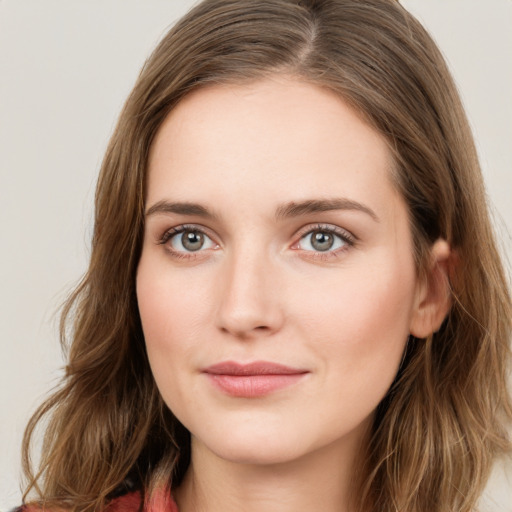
[{"x": 250, "y": 296}]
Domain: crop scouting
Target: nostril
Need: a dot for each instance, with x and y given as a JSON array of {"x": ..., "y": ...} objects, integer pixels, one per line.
[{"x": 246, "y": 332}]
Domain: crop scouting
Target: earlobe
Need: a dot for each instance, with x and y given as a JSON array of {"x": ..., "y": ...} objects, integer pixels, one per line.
[{"x": 433, "y": 295}]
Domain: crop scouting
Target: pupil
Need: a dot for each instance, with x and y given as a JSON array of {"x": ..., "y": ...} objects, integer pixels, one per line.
[
  {"x": 192, "y": 240},
  {"x": 322, "y": 241}
]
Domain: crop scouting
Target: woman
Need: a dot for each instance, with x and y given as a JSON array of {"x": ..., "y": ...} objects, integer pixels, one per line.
[{"x": 294, "y": 299}]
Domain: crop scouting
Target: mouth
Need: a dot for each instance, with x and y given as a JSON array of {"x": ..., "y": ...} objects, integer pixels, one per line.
[{"x": 252, "y": 380}]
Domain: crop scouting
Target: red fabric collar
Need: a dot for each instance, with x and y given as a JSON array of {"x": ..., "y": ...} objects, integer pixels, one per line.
[{"x": 161, "y": 502}]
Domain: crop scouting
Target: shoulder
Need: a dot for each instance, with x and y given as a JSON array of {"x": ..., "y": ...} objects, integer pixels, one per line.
[{"x": 127, "y": 503}]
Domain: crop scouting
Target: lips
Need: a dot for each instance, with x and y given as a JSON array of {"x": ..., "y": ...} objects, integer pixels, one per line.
[{"x": 254, "y": 379}]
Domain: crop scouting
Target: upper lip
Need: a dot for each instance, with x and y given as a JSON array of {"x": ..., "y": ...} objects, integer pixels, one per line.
[{"x": 255, "y": 368}]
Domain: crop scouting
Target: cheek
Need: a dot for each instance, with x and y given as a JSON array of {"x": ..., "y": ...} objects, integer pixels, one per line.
[
  {"x": 170, "y": 304},
  {"x": 360, "y": 324},
  {"x": 360, "y": 300},
  {"x": 175, "y": 306},
  {"x": 162, "y": 303}
]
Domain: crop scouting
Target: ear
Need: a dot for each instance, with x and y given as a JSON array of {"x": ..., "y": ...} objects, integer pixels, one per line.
[{"x": 433, "y": 298}]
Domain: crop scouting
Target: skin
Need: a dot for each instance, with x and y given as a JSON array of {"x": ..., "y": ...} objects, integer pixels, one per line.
[{"x": 258, "y": 289}]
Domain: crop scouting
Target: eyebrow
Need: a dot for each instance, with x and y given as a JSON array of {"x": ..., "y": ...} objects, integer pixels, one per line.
[
  {"x": 180, "y": 209},
  {"x": 296, "y": 209},
  {"x": 288, "y": 210}
]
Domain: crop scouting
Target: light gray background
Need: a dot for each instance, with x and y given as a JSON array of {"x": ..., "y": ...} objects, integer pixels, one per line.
[{"x": 66, "y": 67}]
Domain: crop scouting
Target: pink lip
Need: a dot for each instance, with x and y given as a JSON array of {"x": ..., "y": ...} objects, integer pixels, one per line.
[{"x": 254, "y": 379}]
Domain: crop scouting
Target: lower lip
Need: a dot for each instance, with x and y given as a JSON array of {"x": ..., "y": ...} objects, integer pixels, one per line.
[{"x": 253, "y": 386}]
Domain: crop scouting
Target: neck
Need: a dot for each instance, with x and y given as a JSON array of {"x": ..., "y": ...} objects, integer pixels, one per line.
[{"x": 320, "y": 480}]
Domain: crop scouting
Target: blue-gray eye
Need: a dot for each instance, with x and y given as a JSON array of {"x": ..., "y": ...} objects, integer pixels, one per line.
[
  {"x": 191, "y": 240},
  {"x": 321, "y": 240}
]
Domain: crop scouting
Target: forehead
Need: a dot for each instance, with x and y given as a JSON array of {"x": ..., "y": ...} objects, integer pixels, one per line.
[{"x": 273, "y": 138}]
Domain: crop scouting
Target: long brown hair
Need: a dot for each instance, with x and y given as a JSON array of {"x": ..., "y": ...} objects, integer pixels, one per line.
[{"x": 444, "y": 420}]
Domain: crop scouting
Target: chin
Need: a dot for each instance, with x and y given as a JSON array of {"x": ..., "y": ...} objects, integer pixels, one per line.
[
  {"x": 252, "y": 446},
  {"x": 258, "y": 455}
]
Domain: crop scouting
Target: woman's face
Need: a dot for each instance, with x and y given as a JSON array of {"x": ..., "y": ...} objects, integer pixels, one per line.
[{"x": 277, "y": 284}]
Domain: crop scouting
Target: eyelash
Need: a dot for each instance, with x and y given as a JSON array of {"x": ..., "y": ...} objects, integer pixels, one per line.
[
  {"x": 346, "y": 237},
  {"x": 171, "y": 233}
]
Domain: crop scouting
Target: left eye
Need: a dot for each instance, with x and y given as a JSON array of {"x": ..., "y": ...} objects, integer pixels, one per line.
[
  {"x": 321, "y": 240},
  {"x": 191, "y": 240}
]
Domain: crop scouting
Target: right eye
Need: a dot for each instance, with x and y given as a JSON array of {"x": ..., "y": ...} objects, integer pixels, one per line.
[{"x": 183, "y": 240}]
